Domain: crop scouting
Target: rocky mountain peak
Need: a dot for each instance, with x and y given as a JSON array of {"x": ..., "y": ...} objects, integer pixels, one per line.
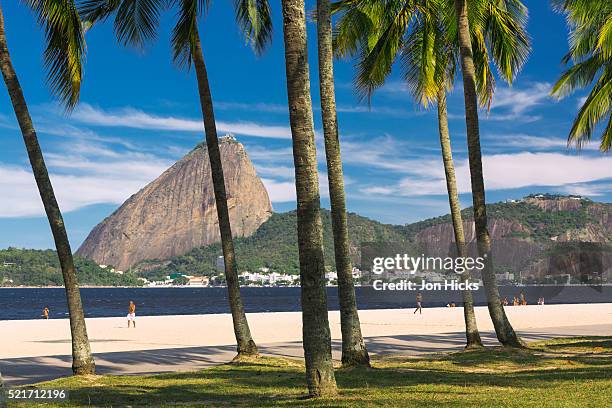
[{"x": 176, "y": 212}]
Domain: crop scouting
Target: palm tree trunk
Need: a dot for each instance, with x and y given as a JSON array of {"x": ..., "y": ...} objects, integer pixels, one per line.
[
  {"x": 315, "y": 324},
  {"x": 246, "y": 345},
  {"x": 353, "y": 347},
  {"x": 471, "y": 329},
  {"x": 2, "y": 391},
  {"x": 82, "y": 360},
  {"x": 503, "y": 328}
]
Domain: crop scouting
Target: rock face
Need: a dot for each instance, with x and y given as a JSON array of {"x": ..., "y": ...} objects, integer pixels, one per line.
[
  {"x": 177, "y": 212},
  {"x": 516, "y": 244}
]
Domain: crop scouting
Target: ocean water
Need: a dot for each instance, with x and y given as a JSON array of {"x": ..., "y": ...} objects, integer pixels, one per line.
[{"x": 27, "y": 303}]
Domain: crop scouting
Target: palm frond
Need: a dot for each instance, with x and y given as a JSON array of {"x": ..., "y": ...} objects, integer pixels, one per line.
[
  {"x": 578, "y": 76},
  {"x": 377, "y": 59},
  {"x": 506, "y": 32},
  {"x": 255, "y": 21},
  {"x": 137, "y": 21},
  {"x": 596, "y": 106},
  {"x": 93, "y": 11},
  {"x": 185, "y": 31},
  {"x": 590, "y": 41},
  {"x": 65, "y": 50}
]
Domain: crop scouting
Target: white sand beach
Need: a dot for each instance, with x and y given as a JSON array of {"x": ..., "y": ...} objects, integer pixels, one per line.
[{"x": 40, "y": 349}]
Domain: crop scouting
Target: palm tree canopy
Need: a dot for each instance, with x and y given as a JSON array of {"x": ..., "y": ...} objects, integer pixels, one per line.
[
  {"x": 423, "y": 35},
  {"x": 136, "y": 22},
  {"x": 65, "y": 47},
  {"x": 590, "y": 42}
]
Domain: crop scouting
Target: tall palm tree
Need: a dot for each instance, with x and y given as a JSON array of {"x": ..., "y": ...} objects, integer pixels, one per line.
[
  {"x": 590, "y": 24},
  {"x": 315, "y": 324},
  {"x": 63, "y": 58},
  {"x": 503, "y": 329},
  {"x": 354, "y": 351},
  {"x": 136, "y": 23},
  {"x": 424, "y": 37}
]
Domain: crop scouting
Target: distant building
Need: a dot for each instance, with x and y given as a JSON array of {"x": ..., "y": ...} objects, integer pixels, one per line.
[{"x": 198, "y": 281}]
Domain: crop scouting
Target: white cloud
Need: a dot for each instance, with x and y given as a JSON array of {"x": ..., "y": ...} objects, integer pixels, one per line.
[
  {"x": 504, "y": 172},
  {"x": 588, "y": 189},
  {"x": 275, "y": 171},
  {"x": 504, "y": 141},
  {"x": 137, "y": 119},
  {"x": 17, "y": 185},
  {"x": 279, "y": 191},
  {"x": 83, "y": 174},
  {"x": 515, "y": 104}
]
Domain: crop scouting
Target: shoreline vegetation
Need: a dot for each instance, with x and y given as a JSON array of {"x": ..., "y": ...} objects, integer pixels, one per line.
[{"x": 272, "y": 249}]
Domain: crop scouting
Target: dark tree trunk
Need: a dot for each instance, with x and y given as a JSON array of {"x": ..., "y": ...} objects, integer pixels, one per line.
[
  {"x": 503, "y": 328},
  {"x": 353, "y": 348},
  {"x": 246, "y": 345},
  {"x": 315, "y": 323},
  {"x": 471, "y": 329},
  {"x": 82, "y": 360}
]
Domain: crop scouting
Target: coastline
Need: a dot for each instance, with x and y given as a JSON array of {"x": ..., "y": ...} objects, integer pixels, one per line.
[{"x": 39, "y": 337}]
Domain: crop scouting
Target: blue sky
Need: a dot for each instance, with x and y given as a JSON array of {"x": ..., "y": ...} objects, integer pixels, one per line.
[{"x": 139, "y": 114}]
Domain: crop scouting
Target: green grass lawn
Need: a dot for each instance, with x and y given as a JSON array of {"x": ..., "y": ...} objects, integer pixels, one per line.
[{"x": 573, "y": 372}]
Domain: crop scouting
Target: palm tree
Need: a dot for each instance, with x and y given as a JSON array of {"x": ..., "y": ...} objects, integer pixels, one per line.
[
  {"x": 424, "y": 36},
  {"x": 590, "y": 24},
  {"x": 315, "y": 323},
  {"x": 503, "y": 329},
  {"x": 136, "y": 22},
  {"x": 354, "y": 351},
  {"x": 63, "y": 58}
]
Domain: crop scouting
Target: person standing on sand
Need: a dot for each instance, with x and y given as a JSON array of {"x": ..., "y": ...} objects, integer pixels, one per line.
[
  {"x": 419, "y": 300},
  {"x": 131, "y": 317},
  {"x": 45, "y": 314}
]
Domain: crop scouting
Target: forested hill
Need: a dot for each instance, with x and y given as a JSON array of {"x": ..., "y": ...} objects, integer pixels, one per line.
[
  {"x": 534, "y": 220},
  {"x": 33, "y": 267},
  {"x": 274, "y": 246},
  {"x": 525, "y": 225}
]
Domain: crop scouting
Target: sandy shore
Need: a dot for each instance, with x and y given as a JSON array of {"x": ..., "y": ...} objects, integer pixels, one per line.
[{"x": 32, "y": 338}]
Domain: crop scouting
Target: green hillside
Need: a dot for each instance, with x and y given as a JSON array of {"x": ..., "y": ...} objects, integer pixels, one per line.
[
  {"x": 274, "y": 246},
  {"x": 41, "y": 268}
]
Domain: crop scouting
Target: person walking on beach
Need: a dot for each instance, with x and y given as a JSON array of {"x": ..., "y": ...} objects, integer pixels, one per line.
[
  {"x": 45, "y": 314},
  {"x": 131, "y": 317},
  {"x": 419, "y": 300},
  {"x": 523, "y": 299}
]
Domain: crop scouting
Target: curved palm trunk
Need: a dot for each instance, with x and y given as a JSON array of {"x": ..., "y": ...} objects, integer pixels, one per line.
[
  {"x": 353, "y": 348},
  {"x": 315, "y": 323},
  {"x": 246, "y": 345},
  {"x": 82, "y": 360},
  {"x": 471, "y": 329},
  {"x": 503, "y": 328}
]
